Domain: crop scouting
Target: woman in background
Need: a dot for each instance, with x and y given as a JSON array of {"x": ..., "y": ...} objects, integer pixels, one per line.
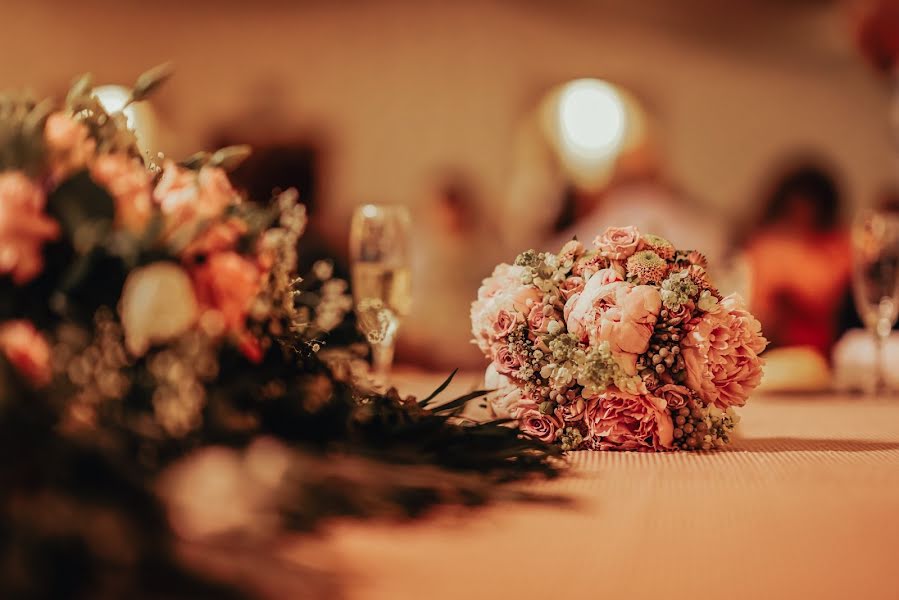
[{"x": 799, "y": 256}]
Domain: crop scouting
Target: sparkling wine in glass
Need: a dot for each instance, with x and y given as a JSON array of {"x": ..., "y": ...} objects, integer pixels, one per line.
[
  {"x": 381, "y": 277},
  {"x": 875, "y": 280}
]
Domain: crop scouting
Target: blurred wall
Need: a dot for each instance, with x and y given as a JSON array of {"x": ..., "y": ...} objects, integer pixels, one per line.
[{"x": 403, "y": 90}]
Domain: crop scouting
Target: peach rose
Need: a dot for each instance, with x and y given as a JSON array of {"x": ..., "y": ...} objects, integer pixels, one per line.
[
  {"x": 619, "y": 421},
  {"x": 721, "y": 354},
  {"x": 675, "y": 396},
  {"x": 599, "y": 288},
  {"x": 69, "y": 145},
  {"x": 24, "y": 228},
  {"x": 618, "y": 243},
  {"x": 128, "y": 181},
  {"x": 220, "y": 237},
  {"x": 27, "y": 350},
  {"x": 545, "y": 428},
  {"x": 227, "y": 283},
  {"x": 188, "y": 197},
  {"x": 573, "y": 411},
  {"x": 628, "y": 324}
]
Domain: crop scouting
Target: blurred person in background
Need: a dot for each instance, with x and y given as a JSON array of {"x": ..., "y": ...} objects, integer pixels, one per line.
[
  {"x": 640, "y": 195},
  {"x": 799, "y": 257},
  {"x": 453, "y": 254}
]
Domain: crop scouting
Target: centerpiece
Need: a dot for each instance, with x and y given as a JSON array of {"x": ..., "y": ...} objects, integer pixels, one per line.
[{"x": 624, "y": 346}]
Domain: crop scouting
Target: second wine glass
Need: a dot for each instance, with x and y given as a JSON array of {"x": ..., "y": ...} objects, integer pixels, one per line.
[
  {"x": 875, "y": 281},
  {"x": 381, "y": 277}
]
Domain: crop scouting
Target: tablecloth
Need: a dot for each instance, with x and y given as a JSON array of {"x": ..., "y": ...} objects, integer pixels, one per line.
[{"x": 804, "y": 505}]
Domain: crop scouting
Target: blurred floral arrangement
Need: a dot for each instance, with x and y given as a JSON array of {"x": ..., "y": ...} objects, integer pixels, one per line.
[
  {"x": 151, "y": 316},
  {"x": 625, "y": 346}
]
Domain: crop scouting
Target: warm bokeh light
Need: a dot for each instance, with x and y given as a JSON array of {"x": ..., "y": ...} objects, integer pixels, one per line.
[
  {"x": 140, "y": 116},
  {"x": 591, "y": 123},
  {"x": 592, "y": 119}
]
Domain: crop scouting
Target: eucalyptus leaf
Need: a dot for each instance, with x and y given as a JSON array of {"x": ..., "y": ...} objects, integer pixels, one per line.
[
  {"x": 80, "y": 87},
  {"x": 461, "y": 401},
  {"x": 230, "y": 157},
  {"x": 149, "y": 81},
  {"x": 196, "y": 161},
  {"x": 34, "y": 122},
  {"x": 439, "y": 389}
]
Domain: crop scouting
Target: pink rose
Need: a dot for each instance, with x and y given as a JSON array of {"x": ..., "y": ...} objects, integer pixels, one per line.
[
  {"x": 618, "y": 243},
  {"x": 721, "y": 353},
  {"x": 545, "y": 428},
  {"x": 573, "y": 411},
  {"x": 571, "y": 286},
  {"x": 27, "y": 350},
  {"x": 188, "y": 197},
  {"x": 227, "y": 283},
  {"x": 506, "y": 322},
  {"x": 540, "y": 317},
  {"x": 675, "y": 396},
  {"x": 24, "y": 228},
  {"x": 506, "y": 361},
  {"x": 69, "y": 145},
  {"x": 502, "y": 291},
  {"x": 619, "y": 421},
  {"x": 128, "y": 181}
]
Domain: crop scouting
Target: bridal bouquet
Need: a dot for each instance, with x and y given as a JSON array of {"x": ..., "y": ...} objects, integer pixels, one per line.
[{"x": 624, "y": 346}]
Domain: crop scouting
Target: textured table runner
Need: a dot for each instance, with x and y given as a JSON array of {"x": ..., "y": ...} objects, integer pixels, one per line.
[{"x": 804, "y": 505}]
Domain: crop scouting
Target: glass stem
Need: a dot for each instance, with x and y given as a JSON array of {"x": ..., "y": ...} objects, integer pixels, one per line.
[
  {"x": 382, "y": 359},
  {"x": 880, "y": 340}
]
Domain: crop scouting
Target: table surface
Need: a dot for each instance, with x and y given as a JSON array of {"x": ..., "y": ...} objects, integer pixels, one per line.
[{"x": 804, "y": 504}]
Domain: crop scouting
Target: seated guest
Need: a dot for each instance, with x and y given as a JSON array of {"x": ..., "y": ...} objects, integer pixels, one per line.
[
  {"x": 799, "y": 256},
  {"x": 639, "y": 195}
]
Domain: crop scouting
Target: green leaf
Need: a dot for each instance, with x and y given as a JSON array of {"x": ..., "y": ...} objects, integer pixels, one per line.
[
  {"x": 461, "y": 401},
  {"x": 149, "y": 81},
  {"x": 196, "y": 161},
  {"x": 37, "y": 117},
  {"x": 439, "y": 389},
  {"x": 84, "y": 210},
  {"x": 80, "y": 87},
  {"x": 230, "y": 157}
]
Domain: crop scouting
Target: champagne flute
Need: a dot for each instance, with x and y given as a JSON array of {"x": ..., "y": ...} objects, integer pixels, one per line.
[
  {"x": 381, "y": 277},
  {"x": 875, "y": 280}
]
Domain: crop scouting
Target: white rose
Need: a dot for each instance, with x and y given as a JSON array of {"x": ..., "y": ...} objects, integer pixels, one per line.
[{"x": 157, "y": 304}]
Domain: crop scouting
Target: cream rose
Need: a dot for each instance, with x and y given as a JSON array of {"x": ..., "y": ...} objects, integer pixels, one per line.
[{"x": 157, "y": 304}]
